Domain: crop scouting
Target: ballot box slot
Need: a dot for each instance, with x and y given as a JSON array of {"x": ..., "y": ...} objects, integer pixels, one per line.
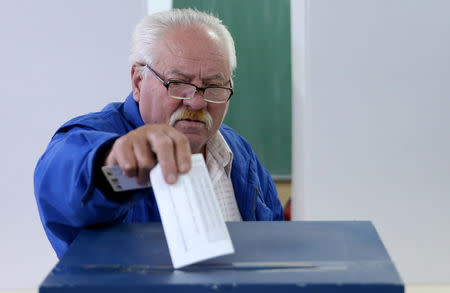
[{"x": 209, "y": 267}]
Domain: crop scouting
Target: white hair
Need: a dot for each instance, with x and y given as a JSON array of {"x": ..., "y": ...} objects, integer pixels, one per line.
[{"x": 149, "y": 31}]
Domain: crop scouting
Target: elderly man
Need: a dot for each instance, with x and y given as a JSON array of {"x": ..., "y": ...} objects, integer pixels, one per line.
[{"x": 181, "y": 73}]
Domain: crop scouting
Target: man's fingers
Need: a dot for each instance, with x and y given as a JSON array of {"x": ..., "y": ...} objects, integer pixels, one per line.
[
  {"x": 182, "y": 150},
  {"x": 135, "y": 152},
  {"x": 110, "y": 159},
  {"x": 124, "y": 154},
  {"x": 163, "y": 146},
  {"x": 145, "y": 159}
]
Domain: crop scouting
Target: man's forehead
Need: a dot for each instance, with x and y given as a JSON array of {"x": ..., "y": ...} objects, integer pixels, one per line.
[{"x": 196, "y": 49}]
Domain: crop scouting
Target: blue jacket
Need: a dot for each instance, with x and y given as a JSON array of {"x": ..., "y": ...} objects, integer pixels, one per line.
[{"x": 69, "y": 199}]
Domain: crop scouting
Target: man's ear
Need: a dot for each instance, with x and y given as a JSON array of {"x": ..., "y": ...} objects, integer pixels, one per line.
[{"x": 136, "y": 80}]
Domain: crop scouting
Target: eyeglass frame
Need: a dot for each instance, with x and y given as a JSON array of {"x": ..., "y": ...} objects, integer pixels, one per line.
[{"x": 197, "y": 88}]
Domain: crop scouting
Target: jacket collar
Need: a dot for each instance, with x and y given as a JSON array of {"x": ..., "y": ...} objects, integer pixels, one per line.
[
  {"x": 243, "y": 177},
  {"x": 245, "y": 191},
  {"x": 131, "y": 111}
]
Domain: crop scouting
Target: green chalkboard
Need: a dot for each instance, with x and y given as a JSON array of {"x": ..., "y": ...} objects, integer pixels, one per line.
[{"x": 260, "y": 109}]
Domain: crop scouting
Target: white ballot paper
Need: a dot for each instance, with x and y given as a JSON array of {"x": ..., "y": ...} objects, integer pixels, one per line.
[{"x": 193, "y": 224}]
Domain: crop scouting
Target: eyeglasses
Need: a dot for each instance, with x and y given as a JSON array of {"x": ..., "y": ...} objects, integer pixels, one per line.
[{"x": 185, "y": 91}]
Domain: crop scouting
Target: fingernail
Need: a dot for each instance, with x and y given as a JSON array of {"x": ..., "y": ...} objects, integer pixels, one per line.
[
  {"x": 171, "y": 178},
  {"x": 184, "y": 167}
]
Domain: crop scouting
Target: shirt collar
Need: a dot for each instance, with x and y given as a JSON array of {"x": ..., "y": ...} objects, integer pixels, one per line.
[{"x": 218, "y": 148}]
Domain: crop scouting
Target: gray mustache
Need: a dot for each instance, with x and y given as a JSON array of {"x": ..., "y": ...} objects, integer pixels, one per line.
[{"x": 200, "y": 115}]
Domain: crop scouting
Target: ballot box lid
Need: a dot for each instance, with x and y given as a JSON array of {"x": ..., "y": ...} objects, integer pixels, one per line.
[{"x": 307, "y": 256}]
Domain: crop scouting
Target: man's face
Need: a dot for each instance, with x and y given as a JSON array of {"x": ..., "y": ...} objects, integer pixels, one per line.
[{"x": 194, "y": 55}]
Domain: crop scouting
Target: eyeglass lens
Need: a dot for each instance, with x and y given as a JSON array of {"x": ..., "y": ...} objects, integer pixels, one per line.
[{"x": 186, "y": 91}]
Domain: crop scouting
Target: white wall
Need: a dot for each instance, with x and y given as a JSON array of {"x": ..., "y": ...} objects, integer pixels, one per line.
[
  {"x": 375, "y": 95},
  {"x": 58, "y": 59}
]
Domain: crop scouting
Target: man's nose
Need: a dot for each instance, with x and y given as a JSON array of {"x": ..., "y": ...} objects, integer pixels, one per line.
[{"x": 197, "y": 102}]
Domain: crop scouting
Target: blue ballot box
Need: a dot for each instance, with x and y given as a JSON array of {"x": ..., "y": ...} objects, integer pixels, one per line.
[{"x": 269, "y": 257}]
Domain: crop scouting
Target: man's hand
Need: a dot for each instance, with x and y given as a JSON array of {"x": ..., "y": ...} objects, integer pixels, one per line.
[{"x": 137, "y": 151}]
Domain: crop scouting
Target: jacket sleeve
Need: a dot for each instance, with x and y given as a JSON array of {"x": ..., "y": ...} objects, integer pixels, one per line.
[{"x": 66, "y": 195}]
